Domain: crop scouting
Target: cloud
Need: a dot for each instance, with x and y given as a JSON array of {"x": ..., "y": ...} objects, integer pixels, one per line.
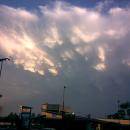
[
  {"x": 83, "y": 48},
  {"x": 52, "y": 38},
  {"x": 19, "y": 14},
  {"x": 79, "y": 36},
  {"x": 101, "y": 55},
  {"x": 100, "y": 67},
  {"x": 16, "y": 41},
  {"x": 31, "y": 37},
  {"x": 104, "y": 5}
]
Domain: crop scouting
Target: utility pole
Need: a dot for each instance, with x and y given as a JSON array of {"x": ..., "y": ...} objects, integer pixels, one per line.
[
  {"x": 118, "y": 103},
  {"x": 1, "y": 66},
  {"x": 63, "y": 103}
]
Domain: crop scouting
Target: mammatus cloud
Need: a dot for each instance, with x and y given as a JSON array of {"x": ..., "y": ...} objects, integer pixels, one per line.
[
  {"x": 38, "y": 39},
  {"x": 16, "y": 42},
  {"x": 101, "y": 55}
]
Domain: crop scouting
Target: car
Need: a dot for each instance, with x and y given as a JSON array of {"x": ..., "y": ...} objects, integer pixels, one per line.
[{"x": 48, "y": 129}]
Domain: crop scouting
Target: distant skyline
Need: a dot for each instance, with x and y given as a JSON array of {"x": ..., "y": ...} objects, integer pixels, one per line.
[{"x": 83, "y": 45}]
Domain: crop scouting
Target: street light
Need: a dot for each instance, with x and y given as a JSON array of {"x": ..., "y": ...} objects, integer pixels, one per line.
[{"x": 63, "y": 103}]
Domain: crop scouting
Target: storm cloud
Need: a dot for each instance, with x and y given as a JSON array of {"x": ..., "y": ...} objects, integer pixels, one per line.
[{"x": 81, "y": 47}]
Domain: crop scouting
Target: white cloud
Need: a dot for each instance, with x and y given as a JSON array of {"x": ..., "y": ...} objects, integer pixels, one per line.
[
  {"x": 83, "y": 50},
  {"x": 67, "y": 55},
  {"x": 19, "y": 14},
  {"x": 101, "y": 54},
  {"x": 117, "y": 11},
  {"x": 116, "y": 34},
  {"x": 82, "y": 36},
  {"x": 100, "y": 67},
  {"x": 18, "y": 44},
  {"x": 52, "y": 38},
  {"x": 53, "y": 71},
  {"x": 30, "y": 37}
]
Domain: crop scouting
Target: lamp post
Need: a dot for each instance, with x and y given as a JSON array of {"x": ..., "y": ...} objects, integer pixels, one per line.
[{"x": 63, "y": 103}]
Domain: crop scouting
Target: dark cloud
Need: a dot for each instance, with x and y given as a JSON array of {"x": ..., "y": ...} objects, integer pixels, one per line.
[{"x": 65, "y": 45}]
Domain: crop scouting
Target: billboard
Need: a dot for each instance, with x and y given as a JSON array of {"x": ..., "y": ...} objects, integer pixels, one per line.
[{"x": 51, "y": 107}]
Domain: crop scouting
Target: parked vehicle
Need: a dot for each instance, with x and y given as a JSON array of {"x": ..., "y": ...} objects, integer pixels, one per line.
[{"x": 48, "y": 129}]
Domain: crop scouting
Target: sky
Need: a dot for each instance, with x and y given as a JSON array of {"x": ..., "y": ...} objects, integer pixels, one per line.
[{"x": 83, "y": 45}]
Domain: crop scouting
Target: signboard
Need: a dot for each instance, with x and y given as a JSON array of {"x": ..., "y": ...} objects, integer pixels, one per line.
[
  {"x": 50, "y": 107},
  {"x": 53, "y": 107}
]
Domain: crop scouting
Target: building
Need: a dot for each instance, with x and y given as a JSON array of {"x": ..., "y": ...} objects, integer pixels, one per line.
[
  {"x": 25, "y": 116},
  {"x": 54, "y": 110}
]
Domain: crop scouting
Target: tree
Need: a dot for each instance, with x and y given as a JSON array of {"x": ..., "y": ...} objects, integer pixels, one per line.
[
  {"x": 125, "y": 105},
  {"x": 123, "y": 112}
]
